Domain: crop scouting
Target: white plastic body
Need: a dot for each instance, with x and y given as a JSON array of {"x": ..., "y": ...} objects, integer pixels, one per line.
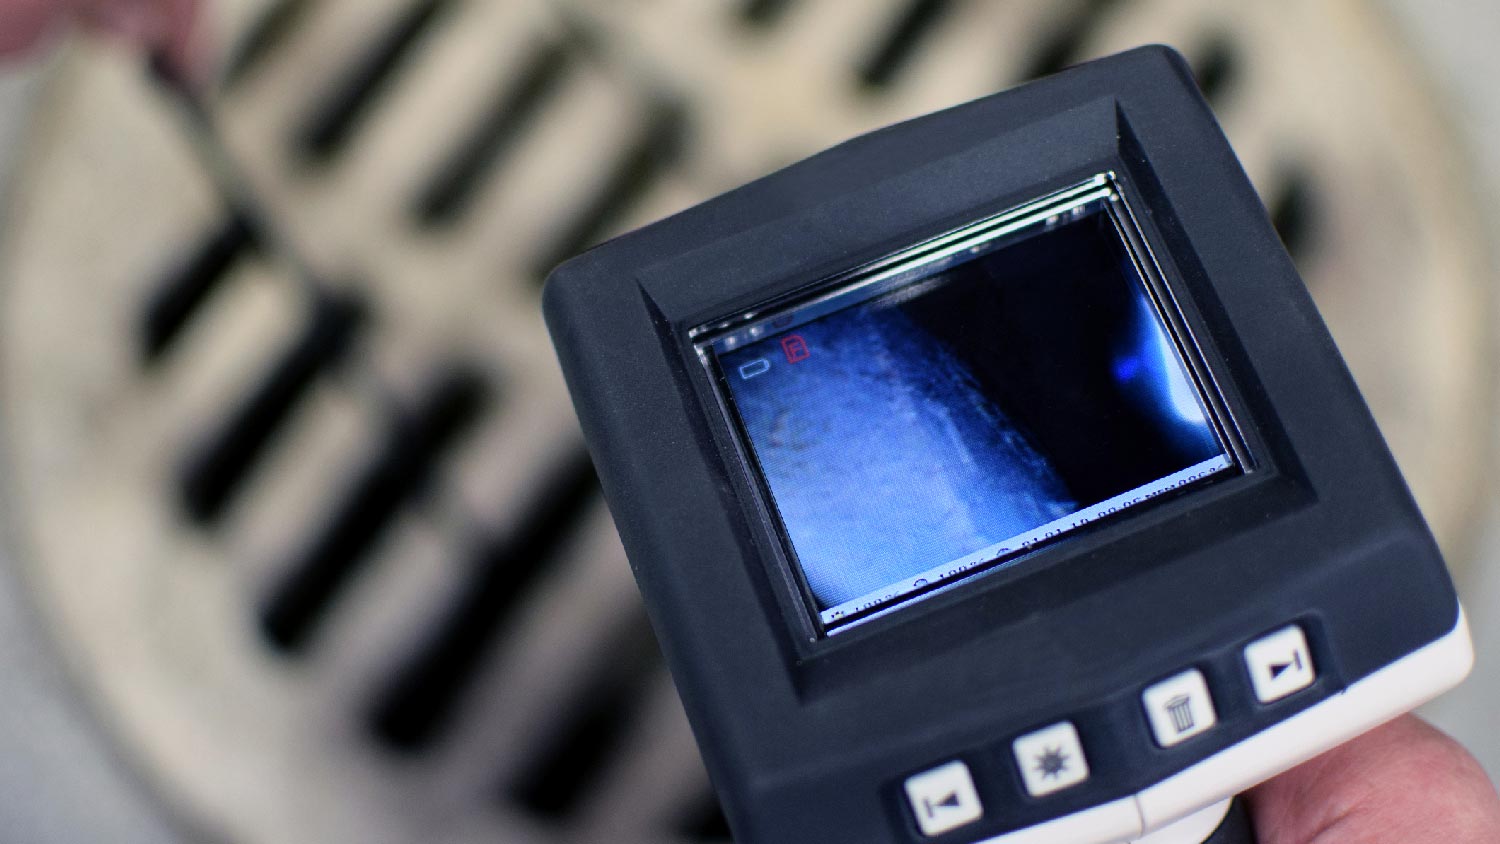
[
  {"x": 1200, "y": 794},
  {"x": 1193, "y": 829}
]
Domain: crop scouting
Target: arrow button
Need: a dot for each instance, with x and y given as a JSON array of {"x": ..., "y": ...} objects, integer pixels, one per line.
[
  {"x": 1280, "y": 668},
  {"x": 1280, "y": 664},
  {"x": 944, "y": 799}
]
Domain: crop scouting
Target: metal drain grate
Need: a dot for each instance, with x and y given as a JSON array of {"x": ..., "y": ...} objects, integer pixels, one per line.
[{"x": 332, "y": 559}]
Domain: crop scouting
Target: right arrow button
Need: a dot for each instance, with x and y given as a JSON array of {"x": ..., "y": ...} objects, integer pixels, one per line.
[{"x": 1280, "y": 664}]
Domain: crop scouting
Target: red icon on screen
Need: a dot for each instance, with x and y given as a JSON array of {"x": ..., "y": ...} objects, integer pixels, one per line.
[{"x": 795, "y": 348}]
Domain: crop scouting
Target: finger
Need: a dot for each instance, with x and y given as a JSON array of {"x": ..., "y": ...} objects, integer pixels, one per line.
[
  {"x": 182, "y": 43},
  {"x": 166, "y": 27},
  {"x": 1404, "y": 782},
  {"x": 135, "y": 20},
  {"x": 25, "y": 22}
]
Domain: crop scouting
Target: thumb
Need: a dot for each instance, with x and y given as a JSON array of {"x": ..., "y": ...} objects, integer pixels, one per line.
[
  {"x": 24, "y": 22},
  {"x": 1403, "y": 783}
]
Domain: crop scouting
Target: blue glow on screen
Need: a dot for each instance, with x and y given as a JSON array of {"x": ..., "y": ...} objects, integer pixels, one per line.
[
  {"x": 911, "y": 438},
  {"x": 1153, "y": 366}
]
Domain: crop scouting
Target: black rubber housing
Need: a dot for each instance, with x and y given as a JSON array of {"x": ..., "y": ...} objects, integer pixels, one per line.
[
  {"x": 809, "y": 739},
  {"x": 1236, "y": 828}
]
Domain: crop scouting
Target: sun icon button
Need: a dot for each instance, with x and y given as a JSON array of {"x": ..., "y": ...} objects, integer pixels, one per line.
[
  {"x": 1051, "y": 760},
  {"x": 1053, "y": 763}
]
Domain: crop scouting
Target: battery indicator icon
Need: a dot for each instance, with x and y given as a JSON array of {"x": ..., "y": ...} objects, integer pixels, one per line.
[{"x": 754, "y": 368}]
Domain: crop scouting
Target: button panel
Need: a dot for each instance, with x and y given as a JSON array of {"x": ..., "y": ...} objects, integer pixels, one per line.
[
  {"x": 1051, "y": 760},
  {"x": 944, "y": 799},
  {"x": 1180, "y": 708},
  {"x": 1280, "y": 664}
]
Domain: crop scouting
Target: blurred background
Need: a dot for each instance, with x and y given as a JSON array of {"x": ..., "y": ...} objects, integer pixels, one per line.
[{"x": 297, "y": 538}]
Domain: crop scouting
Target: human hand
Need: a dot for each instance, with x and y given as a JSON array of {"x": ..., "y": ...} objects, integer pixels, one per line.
[
  {"x": 1403, "y": 783},
  {"x": 158, "y": 25}
]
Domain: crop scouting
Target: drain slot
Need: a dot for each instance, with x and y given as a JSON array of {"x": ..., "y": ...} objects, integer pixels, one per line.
[
  {"x": 270, "y": 30},
  {"x": 1216, "y": 67},
  {"x": 1065, "y": 46},
  {"x": 657, "y": 147},
  {"x": 217, "y": 472},
  {"x": 764, "y": 13},
  {"x": 191, "y": 283},
  {"x": 400, "y": 470},
  {"x": 458, "y": 180},
  {"x": 417, "y": 705},
  {"x": 331, "y": 124},
  {"x": 592, "y": 726},
  {"x": 1294, "y": 211},
  {"x": 902, "y": 41}
]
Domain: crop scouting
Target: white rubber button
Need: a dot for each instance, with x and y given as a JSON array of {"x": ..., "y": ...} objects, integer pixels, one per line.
[
  {"x": 1051, "y": 759},
  {"x": 944, "y": 799},
  {"x": 1180, "y": 708},
  {"x": 1280, "y": 664}
]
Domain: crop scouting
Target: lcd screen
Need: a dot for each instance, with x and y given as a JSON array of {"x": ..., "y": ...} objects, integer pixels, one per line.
[{"x": 937, "y": 421}]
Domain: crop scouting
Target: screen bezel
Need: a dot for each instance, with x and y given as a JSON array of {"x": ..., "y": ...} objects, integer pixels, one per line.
[{"x": 911, "y": 265}]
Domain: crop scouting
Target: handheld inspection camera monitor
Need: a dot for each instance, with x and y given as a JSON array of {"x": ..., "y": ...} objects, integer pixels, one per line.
[{"x": 992, "y": 477}]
